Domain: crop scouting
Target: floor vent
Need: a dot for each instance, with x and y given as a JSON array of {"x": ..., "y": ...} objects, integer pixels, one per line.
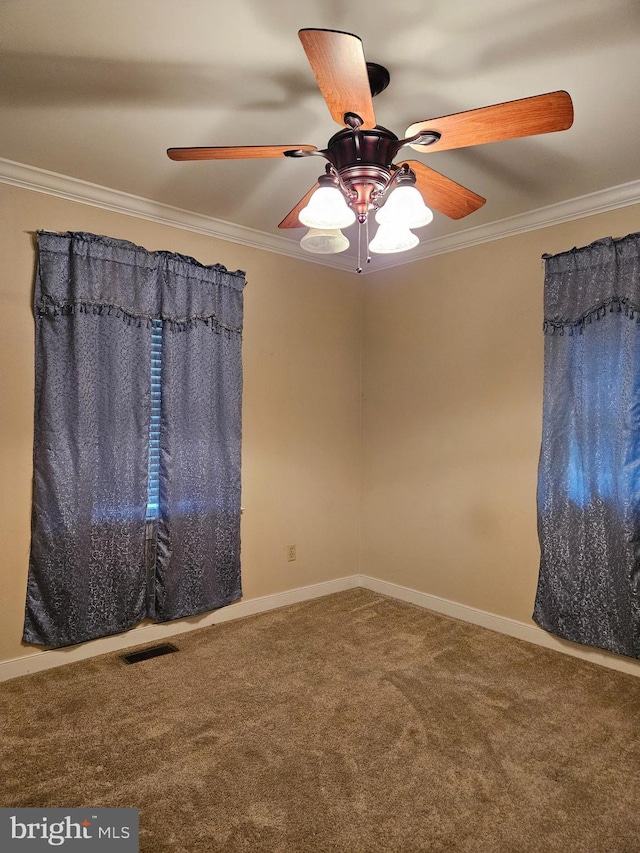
[{"x": 145, "y": 654}]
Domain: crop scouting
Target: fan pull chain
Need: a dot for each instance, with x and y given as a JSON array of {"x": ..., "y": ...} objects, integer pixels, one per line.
[{"x": 362, "y": 225}]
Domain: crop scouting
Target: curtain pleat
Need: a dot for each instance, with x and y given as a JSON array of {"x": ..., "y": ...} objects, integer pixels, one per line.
[
  {"x": 94, "y": 303},
  {"x": 198, "y": 565}
]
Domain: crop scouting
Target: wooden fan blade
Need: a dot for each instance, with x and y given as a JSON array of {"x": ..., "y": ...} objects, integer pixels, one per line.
[
  {"x": 338, "y": 63},
  {"x": 526, "y": 117},
  {"x": 291, "y": 219},
  {"x": 246, "y": 152},
  {"x": 443, "y": 194}
]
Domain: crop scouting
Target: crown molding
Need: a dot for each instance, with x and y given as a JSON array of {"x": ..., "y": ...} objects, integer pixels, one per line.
[
  {"x": 611, "y": 198},
  {"x": 84, "y": 192}
]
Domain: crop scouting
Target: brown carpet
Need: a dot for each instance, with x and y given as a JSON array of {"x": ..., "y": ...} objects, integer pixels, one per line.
[{"x": 352, "y": 723}]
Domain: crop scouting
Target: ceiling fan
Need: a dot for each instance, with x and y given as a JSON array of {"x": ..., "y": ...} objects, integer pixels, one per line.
[{"x": 360, "y": 174}]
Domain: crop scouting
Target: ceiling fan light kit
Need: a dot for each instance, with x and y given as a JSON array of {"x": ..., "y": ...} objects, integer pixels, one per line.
[
  {"x": 324, "y": 241},
  {"x": 360, "y": 175},
  {"x": 327, "y": 208},
  {"x": 405, "y": 205},
  {"x": 391, "y": 238}
]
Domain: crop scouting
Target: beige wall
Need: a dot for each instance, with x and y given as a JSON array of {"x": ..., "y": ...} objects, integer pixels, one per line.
[
  {"x": 449, "y": 351},
  {"x": 452, "y": 412},
  {"x": 301, "y": 417}
]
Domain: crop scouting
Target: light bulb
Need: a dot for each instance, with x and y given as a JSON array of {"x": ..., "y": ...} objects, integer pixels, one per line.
[
  {"x": 324, "y": 241},
  {"x": 327, "y": 209},
  {"x": 405, "y": 206},
  {"x": 392, "y": 238}
]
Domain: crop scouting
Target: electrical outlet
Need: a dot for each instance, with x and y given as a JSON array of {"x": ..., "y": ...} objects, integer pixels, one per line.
[{"x": 291, "y": 553}]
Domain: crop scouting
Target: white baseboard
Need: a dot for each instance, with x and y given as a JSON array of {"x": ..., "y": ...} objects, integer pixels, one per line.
[
  {"x": 531, "y": 633},
  {"x": 158, "y": 632},
  {"x": 502, "y": 624}
]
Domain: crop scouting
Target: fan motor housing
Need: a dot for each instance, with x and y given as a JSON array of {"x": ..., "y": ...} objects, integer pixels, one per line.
[
  {"x": 375, "y": 147},
  {"x": 363, "y": 161}
]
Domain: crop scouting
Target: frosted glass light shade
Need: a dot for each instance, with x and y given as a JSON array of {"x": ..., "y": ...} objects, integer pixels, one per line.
[
  {"x": 327, "y": 209},
  {"x": 392, "y": 238},
  {"x": 324, "y": 241},
  {"x": 405, "y": 206}
]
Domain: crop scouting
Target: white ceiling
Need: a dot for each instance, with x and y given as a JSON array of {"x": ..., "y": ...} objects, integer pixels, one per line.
[{"x": 98, "y": 90}]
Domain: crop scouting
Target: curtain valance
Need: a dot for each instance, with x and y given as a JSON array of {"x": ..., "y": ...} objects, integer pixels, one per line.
[
  {"x": 584, "y": 284},
  {"x": 95, "y": 274}
]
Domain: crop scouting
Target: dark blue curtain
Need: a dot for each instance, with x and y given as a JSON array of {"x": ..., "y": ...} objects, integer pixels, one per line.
[
  {"x": 589, "y": 472},
  {"x": 98, "y": 565}
]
